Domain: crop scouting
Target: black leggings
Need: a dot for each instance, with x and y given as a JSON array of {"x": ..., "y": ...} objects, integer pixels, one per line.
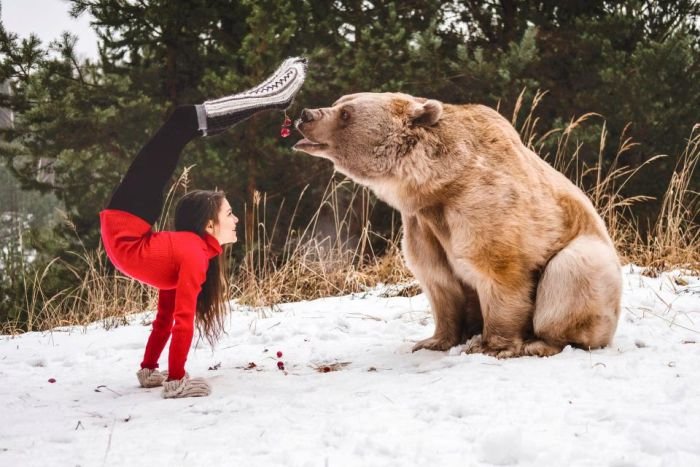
[{"x": 141, "y": 190}]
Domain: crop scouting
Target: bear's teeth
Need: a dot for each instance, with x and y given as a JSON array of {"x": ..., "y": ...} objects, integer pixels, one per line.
[{"x": 307, "y": 144}]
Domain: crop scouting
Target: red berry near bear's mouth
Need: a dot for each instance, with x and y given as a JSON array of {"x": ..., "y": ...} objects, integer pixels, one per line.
[
  {"x": 280, "y": 365},
  {"x": 279, "y": 354}
]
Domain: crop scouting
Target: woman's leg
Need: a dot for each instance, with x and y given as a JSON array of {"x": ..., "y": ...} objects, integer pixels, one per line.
[{"x": 141, "y": 190}]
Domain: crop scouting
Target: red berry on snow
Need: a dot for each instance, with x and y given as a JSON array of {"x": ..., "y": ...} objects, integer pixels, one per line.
[
  {"x": 285, "y": 132},
  {"x": 280, "y": 365},
  {"x": 52, "y": 380},
  {"x": 279, "y": 354}
]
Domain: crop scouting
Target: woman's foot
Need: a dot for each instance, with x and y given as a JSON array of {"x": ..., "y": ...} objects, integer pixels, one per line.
[
  {"x": 186, "y": 387},
  {"x": 151, "y": 377},
  {"x": 276, "y": 92}
]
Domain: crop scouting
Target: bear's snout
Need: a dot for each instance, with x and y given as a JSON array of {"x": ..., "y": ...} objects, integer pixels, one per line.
[
  {"x": 307, "y": 115},
  {"x": 307, "y": 125}
]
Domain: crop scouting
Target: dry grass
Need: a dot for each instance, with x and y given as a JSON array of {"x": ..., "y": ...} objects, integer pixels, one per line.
[
  {"x": 100, "y": 293},
  {"x": 333, "y": 254},
  {"x": 674, "y": 239},
  {"x": 312, "y": 263}
]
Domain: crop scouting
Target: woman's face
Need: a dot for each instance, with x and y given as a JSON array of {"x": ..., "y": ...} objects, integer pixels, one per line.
[{"x": 224, "y": 229}]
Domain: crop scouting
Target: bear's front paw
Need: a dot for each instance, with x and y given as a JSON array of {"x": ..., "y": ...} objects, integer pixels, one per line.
[{"x": 435, "y": 343}]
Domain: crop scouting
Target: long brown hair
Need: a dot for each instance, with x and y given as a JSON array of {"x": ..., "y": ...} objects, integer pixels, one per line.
[{"x": 192, "y": 213}]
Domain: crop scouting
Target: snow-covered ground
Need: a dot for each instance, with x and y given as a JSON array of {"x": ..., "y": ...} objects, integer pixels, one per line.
[{"x": 636, "y": 403}]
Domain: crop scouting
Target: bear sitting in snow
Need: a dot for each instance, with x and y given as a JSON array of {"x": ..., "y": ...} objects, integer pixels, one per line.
[{"x": 512, "y": 256}]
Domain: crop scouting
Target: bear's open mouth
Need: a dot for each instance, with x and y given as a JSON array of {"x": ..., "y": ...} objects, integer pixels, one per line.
[{"x": 306, "y": 143}]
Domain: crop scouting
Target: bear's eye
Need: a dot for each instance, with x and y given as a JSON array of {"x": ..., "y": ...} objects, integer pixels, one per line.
[{"x": 344, "y": 115}]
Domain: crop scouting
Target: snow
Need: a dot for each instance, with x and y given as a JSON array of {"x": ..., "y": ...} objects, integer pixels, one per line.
[{"x": 636, "y": 402}]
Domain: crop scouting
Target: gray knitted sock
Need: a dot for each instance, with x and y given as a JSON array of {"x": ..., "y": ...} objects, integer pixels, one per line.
[
  {"x": 151, "y": 378},
  {"x": 186, "y": 387},
  {"x": 276, "y": 92}
]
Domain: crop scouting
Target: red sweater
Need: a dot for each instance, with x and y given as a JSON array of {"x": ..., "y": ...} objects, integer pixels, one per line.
[{"x": 174, "y": 262}]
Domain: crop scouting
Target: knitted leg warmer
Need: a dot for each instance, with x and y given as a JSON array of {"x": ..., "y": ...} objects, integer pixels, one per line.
[
  {"x": 276, "y": 92},
  {"x": 186, "y": 387},
  {"x": 151, "y": 378}
]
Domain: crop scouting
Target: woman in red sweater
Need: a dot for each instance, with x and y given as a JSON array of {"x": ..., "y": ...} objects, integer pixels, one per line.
[{"x": 185, "y": 264}]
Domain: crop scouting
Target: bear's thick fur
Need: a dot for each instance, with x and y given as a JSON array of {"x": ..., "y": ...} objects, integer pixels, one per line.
[{"x": 503, "y": 244}]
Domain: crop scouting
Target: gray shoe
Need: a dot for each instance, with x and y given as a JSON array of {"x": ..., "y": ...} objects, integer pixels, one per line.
[
  {"x": 186, "y": 387},
  {"x": 151, "y": 378},
  {"x": 276, "y": 92}
]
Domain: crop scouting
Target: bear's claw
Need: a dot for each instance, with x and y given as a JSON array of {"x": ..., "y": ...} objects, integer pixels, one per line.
[{"x": 434, "y": 343}]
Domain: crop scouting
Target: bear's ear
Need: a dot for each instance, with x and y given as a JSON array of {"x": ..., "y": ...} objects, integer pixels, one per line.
[{"x": 427, "y": 113}]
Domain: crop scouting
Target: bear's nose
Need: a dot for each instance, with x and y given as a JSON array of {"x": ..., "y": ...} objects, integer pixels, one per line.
[{"x": 306, "y": 116}]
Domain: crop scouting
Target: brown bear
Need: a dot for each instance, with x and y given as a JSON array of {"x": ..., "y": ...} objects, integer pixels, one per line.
[{"x": 512, "y": 256}]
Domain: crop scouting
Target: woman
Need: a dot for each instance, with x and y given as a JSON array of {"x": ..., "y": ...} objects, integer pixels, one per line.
[{"x": 185, "y": 265}]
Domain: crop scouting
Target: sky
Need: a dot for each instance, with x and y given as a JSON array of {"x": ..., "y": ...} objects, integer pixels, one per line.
[{"x": 48, "y": 19}]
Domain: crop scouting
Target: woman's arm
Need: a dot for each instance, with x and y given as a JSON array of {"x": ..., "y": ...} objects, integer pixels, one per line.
[
  {"x": 162, "y": 326},
  {"x": 192, "y": 274}
]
